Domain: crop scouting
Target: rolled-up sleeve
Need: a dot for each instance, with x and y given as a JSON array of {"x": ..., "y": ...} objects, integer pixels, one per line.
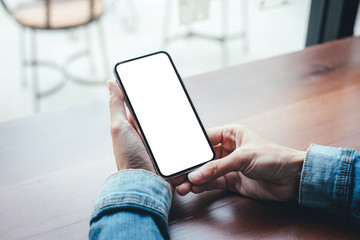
[
  {"x": 132, "y": 204},
  {"x": 330, "y": 181}
]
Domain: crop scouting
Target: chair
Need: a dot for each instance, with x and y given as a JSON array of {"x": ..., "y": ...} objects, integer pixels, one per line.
[
  {"x": 50, "y": 15},
  {"x": 222, "y": 39}
]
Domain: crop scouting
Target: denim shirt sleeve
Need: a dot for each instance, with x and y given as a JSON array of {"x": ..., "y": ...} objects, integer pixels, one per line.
[
  {"x": 132, "y": 204},
  {"x": 330, "y": 181}
]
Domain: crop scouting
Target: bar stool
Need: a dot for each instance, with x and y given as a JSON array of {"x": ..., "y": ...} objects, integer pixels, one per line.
[{"x": 51, "y": 15}]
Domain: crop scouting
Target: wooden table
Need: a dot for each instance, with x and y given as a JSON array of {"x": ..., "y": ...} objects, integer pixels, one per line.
[{"x": 52, "y": 165}]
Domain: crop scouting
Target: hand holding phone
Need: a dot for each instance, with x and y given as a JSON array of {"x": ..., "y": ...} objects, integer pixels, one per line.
[
  {"x": 164, "y": 114},
  {"x": 130, "y": 152}
]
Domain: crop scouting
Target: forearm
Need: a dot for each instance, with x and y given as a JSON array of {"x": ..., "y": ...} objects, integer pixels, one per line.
[
  {"x": 330, "y": 181},
  {"x": 132, "y": 204}
]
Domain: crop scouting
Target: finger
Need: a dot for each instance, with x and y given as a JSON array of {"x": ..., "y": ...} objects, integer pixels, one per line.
[
  {"x": 184, "y": 188},
  {"x": 178, "y": 180},
  {"x": 217, "y": 168},
  {"x": 174, "y": 182},
  {"x": 131, "y": 120},
  {"x": 220, "y": 152},
  {"x": 219, "y": 183},
  {"x": 215, "y": 135},
  {"x": 117, "y": 107},
  {"x": 226, "y": 136}
]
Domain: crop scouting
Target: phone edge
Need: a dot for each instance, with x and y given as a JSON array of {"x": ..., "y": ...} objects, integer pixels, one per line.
[{"x": 142, "y": 135}]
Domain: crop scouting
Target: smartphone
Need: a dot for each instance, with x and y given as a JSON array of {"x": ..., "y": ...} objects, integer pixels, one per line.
[{"x": 164, "y": 114}]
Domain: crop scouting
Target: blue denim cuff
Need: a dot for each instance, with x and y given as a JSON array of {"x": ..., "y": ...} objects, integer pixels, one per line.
[
  {"x": 326, "y": 178},
  {"x": 134, "y": 189}
]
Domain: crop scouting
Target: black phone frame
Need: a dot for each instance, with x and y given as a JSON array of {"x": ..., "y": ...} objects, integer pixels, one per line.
[{"x": 143, "y": 137}]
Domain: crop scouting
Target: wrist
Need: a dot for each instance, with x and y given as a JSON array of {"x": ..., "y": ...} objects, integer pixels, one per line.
[{"x": 298, "y": 160}]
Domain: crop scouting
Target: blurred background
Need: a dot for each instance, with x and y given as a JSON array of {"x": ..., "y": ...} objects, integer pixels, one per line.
[{"x": 56, "y": 53}]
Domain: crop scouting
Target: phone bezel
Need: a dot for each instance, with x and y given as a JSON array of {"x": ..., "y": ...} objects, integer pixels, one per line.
[{"x": 142, "y": 135}]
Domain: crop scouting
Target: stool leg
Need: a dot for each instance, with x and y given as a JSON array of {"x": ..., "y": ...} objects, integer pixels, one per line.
[
  {"x": 224, "y": 33},
  {"x": 89, "y": 50},
  {"x": 168, "y": 8},
  {"x": 103, "y": 49},
  {"x": 35, "y": 75},
  {"x": 23, "y": 65},
  {"x": 244, "y": 25}
]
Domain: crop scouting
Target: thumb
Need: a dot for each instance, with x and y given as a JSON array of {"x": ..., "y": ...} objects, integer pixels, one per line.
[
  {"x": 117, "y": 107},
  {"x": 217, "y": 168}
]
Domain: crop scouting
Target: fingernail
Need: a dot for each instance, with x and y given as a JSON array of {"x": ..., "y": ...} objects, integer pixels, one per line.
[{"x": 194, "y": 176}]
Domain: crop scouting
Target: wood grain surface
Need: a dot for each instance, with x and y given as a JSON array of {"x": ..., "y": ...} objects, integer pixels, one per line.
[{"x": 52, "y": 165}]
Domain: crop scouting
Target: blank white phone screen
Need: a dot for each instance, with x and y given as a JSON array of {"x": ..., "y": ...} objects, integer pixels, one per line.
[{"x": 164, "y": 113}]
